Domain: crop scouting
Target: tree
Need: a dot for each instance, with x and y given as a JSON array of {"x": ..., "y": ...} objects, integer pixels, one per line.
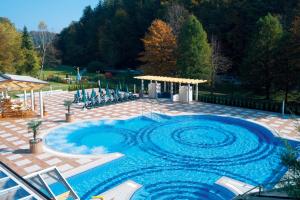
[
  {"x": 258, "y": 68},
  {"x": 45, "y": 40},
  {"x": 175, "y": 16},
  {"x": 291, "y": 181},
  {"x": 288, "y": 65},
  {"x": 220, "y": 63},
  {"x": 32, "y": 62},
  {"x": 160, "y": 45},
  {"x": 34, "y": 125},
  {"x": 194, "y": 51},
  {"x": 11, "y": 55}
]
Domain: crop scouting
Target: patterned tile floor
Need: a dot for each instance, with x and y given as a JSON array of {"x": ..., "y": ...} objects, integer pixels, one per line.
[{"x": 14, "y": 135}]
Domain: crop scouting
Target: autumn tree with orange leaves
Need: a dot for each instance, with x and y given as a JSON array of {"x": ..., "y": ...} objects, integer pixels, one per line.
[{"x": 160, "y": 46}]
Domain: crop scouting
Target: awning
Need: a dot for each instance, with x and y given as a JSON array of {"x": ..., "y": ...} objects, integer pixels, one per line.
[
  {"x": 9, "y": 82},
  {"x": 171, "y": 79}
]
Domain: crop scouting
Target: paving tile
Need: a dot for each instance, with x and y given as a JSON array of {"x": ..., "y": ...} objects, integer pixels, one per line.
[
  {"x": 6, "y": 135},
  {"x": 14, "y": 157},
  {"x": 32, "y": 168},
  {"x": 53, "y": 161},
  {"x": 11, "y": 139},
  {"x": 44, "y": 156},
  {"x": 83, "y": 160},
  {"x": 22, "y": 162},
  {"x": 26, "y": 146},
  {"x": 19, "y": 142},
  {"x": 65, "y": 167}
]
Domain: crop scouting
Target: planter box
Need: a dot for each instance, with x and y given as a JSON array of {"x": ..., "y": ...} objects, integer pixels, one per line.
[
  {"x": 36, "y": 146},
  {"x": 69, "y": 117}
]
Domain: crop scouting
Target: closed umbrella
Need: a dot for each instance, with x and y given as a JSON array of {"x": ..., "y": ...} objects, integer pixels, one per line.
[
  {"x": 107, "y": 90},
  {"x": 78, "y": 93},
  {"x": 83, "y": 96},
  {"x": 99, "y": 85},
  {"x": 93, "y": 94},
  {"x": 78, "y": 77}
]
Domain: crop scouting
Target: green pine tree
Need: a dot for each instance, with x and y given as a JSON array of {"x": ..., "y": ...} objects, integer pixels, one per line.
[
  {"x": 32, "y": 61},
  {"x": 194, "y": 51},
  {"x": 27, "y": 42},
  {"x": 258, "y": 68}
]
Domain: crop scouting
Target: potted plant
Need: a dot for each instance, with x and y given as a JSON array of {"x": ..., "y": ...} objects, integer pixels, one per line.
[
  {"x": 69, "y": 115},
  {"x": 36, "y": 144}
]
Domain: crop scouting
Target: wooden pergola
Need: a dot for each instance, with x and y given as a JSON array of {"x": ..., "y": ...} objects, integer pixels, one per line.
[
  {"x": 9, "y": 82},
  {"x": 171, "y": 80}
]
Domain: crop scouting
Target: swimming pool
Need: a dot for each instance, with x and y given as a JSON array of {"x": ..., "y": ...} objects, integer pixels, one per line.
[{"x": 172, "y": 157}]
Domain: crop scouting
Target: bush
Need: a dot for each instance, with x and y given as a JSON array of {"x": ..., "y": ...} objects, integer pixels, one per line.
[
  {"x": 58, "y": 79},
  {"x": 292, "y": 184},
  {"x": 94, "y": 66}
]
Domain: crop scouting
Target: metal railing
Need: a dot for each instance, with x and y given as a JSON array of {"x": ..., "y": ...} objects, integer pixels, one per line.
[
  {"x": 265, "y": 191},
  {"x": 259, "y": 104}
]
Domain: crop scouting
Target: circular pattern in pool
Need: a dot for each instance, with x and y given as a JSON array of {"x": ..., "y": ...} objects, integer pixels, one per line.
[{"x": 180, "y": 156}]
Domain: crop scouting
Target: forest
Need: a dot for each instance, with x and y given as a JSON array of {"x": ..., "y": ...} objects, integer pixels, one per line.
[{"x": 255, "y": 41}]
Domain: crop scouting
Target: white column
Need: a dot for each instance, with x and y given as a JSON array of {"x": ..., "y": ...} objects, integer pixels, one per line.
[
  {"x": 171, "y": 91},
  {"x": 155, "y": 89},
  {"x": 41, "y": 104},
  {"x": 197, "y": 92},
  {"x": 165, "y": 86},
  {"x": 25, "y": 98},
  {"x": 32, "y": 100},
  {"x": 188, "y": 93},
  {"x": 6, "y": 94},
  {"x": 142, "y": 86}
]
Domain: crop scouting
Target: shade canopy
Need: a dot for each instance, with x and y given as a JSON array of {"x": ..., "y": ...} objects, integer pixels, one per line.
[
  {"x": 171, "y": 79},
  {"x": 9, "y": 82}
]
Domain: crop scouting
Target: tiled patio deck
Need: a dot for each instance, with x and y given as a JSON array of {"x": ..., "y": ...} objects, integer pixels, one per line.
[{"x": 14, "y": 134}]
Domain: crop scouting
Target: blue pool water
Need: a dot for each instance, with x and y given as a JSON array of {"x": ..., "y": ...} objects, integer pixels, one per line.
[{"x": 177, "y": 157}]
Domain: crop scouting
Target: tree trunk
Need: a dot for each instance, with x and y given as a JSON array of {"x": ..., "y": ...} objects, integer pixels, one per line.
[
  {"x": 268, "y": 87},
  {"x": 212, "y": 84}
]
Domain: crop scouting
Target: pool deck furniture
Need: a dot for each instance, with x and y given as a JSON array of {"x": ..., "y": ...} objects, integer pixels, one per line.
[
  {"x": 123, "y": 191},
  {"x": 14, "y": 134},
  {"x": 11, "y": 109}
]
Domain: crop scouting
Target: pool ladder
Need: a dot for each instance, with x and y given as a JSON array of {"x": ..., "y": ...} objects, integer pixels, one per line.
[{"x": 152, "y": 111}]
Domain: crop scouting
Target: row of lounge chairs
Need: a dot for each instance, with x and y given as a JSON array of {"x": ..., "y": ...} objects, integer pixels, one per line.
[{"x": 104, "y": 97}]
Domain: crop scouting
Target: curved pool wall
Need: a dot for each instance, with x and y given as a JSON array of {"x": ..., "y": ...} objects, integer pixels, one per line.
[{"x": 177, "y": 157}]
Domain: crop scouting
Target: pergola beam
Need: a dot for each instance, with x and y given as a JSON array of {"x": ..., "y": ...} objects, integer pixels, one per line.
[{"x": 171, "y": 79}]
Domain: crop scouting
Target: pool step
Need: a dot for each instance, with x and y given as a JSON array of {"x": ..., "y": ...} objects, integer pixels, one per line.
[
  {"x": 156, "y": 117},
  {"x": 237, "y": 187},
  {"x": 123, "y": 191}
]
